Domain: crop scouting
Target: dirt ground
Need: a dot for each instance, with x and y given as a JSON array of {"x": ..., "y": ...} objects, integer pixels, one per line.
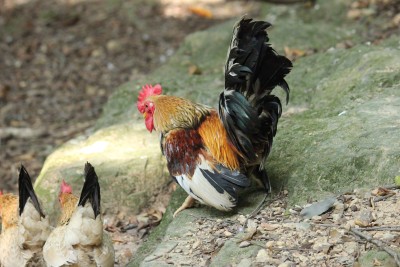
[{"x": 61, "y": 60}]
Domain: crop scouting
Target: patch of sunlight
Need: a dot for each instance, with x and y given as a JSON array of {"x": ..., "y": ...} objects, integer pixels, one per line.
[{"x": 97, "y": 147}]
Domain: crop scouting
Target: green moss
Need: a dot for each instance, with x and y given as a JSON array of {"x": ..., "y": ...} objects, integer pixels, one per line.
[{"x": 369, "y": 258}]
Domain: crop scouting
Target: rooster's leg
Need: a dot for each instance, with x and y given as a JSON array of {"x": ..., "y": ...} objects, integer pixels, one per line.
[
  {"x": 188, "y": 203},
  {"x": 263, "y": 177}
]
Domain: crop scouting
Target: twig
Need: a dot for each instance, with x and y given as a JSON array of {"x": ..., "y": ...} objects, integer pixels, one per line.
[
  {"x": 380, "y": 228},
  {"x": 380, "y": 198},
  {"x": 279, "y": 249},
  {"x": 379, "y": 244},
  {"x": 163, "y": 253},
  {"x": 391, "y": 187},
  {"x": 258, "y": 208},
  {"x": 326, "y": 225},
  {"x": 288, "y": 249}
]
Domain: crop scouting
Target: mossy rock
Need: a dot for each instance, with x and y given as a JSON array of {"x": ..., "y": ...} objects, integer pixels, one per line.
[{"x": 127, "y": 160}]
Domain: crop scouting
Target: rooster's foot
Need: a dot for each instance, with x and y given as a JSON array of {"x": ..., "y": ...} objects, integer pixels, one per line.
[{"x": 188, "y": 203}]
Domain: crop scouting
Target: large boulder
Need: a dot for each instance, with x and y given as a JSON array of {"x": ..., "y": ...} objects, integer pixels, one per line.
[{"x": 126, "y": 158}]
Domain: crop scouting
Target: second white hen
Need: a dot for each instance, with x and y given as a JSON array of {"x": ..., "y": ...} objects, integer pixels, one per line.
[{"x": 79, "y": 239}]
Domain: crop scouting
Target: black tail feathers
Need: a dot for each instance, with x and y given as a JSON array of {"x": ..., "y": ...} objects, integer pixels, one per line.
[
  {"x": 246, "y": 107},
  {"x": 26, "y": 191},
  {"x": 91, "y": 189}
]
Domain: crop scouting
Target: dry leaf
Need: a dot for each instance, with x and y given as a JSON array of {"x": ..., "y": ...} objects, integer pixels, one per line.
[
  {"x": 248, "y": 235},
  {"x": 380, "y": 191},
  {"x": 194, "y": 70},
  {"x": 293, "y": 53},
  {"x": 377, "y": 262},
  {"x": 200, "y": 11}
]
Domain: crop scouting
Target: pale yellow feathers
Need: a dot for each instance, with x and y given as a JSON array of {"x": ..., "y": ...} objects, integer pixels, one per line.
[{"x": 8, "y": 210}]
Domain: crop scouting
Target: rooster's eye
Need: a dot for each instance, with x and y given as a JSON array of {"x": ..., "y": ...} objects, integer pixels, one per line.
[{"x": 146, "y": 105}]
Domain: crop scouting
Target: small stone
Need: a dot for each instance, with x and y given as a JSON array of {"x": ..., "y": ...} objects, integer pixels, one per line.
[
  {"x": 262, "y": 256},
  {"x": 113, "y": 46},
  {"x": 269, "y": 227},
  {"x": 351, "y": 247},
  {"x": 336, "y": 249},
  {"x": 228, "y": 234},
  {"x": 287, "y": 264},
  {"x": 241, "y": 219},
  {"x": 353, "y": 208},
  {"x": 196, "y": 244},
  {"x": 270, "y": 244},
  {"x": 244, "y": 244},
  {"x": 322, "y": 247},
  {"x": 280, "y": 243},
  {"x": 302, "y": 226},
  {"x": 336, "y": 217},
  {"x": 316, "y": 218},
  {"x": 245, "y": 263},
  {"x": 97, "y": 52},
  {"x": 252, "y": 224}
]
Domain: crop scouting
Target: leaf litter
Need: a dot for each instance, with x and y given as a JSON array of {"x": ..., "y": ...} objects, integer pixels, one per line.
[{"x": 333, "y": 236}]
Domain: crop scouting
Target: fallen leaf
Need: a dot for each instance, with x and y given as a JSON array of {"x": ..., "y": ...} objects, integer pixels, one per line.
[
  {"x": 364, "y": 219},
  {"x": 293, "y": 53},
  {"x": 194, "y": 70},
  {"x": 377, "y": 262},
  {"x": 200, "y": 11},
  {"x": 248, "y": 235},
  {"x": 380, "y": 191}
]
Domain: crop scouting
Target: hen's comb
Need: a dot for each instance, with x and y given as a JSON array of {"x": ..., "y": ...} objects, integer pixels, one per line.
[
  {"x": 1, "y": 192},
  {"x": 65, "y": 188},
  {"x": 147, "y": 90}
]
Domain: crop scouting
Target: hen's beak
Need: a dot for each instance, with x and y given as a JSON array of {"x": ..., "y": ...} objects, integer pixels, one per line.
[{"x": 144, "y": 114}]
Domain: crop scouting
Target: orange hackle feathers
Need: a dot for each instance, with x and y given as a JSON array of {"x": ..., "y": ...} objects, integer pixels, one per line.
[
  {"x": 8, "y": 210},
  {"x": 67, "y": 201},
  {"x": 176, "y": 112},
  {"x": 147, "y": 90},
  {"x": 216, "y": 140}
]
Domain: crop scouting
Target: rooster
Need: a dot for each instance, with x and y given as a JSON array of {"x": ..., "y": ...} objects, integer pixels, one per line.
[
  {"x": 25, "y": 228},
  {"x": 79, "y": 238},
  {"x": 210, "y": 153}
]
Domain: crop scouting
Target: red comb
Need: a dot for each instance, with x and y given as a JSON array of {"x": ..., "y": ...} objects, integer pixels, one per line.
[
  {"x": 65, "y": 188},
  {"x": 147, "y": 90},
  {"x": 1, "y": 192}
]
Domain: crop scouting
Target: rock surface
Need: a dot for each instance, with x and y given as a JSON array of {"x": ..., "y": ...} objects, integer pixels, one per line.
[{"x": 122, "y": 154}]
